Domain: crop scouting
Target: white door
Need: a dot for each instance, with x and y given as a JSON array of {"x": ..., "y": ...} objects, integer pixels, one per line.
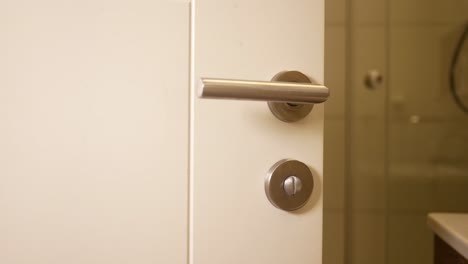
[{"x": 107, "y": 155}]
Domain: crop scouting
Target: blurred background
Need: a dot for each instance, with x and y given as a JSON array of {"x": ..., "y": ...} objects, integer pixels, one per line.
[{"x": 396, "y": 141}]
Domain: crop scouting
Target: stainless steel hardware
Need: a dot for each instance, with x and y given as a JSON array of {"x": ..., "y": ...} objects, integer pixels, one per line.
[
  {"x": 373, "y": 79},
  {"x": 290, "y": 94},
  {"x": 292, "y": 185},
  {"x": 289, "y": 184},
  {"x": 299, "y": 93}
]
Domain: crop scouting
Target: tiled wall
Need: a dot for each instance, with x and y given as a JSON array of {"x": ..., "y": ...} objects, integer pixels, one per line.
[
  {"x": 355, "y": 207},
  {"x": 394, "y": 153},
  {"x": 334, "y": 167},
  {"x": 428, "y": 135}
]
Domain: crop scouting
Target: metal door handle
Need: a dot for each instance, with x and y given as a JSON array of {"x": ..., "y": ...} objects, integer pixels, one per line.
[
  {"x": 286, "y": 92},
  {"x": 289, "y": 91}
]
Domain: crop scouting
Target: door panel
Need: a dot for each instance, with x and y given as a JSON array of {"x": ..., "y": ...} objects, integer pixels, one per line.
[
  {"x": 234, "y": 143},
  {"x": 93, "y": 131}
]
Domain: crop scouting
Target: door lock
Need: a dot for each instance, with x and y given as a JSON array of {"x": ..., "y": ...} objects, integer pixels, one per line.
[
  {"x": 292, "y": 185},
  {"x": 289, "y": 184}
]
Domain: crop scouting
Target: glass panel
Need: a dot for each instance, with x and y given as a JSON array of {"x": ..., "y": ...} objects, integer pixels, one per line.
[
  {"x": 428, "y": 133},
  {"x": 395, "y": 149},
  {"x": 334, "y": 131}
]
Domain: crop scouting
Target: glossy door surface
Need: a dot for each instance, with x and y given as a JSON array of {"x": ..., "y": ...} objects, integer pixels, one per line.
[
  {"x": 93, "y": 131},
  {"x": 234, "y": 143},
  {"x": 106, "y": 154}
]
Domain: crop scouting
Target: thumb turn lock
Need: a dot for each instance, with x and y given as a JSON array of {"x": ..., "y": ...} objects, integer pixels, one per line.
[
  {"x": 289, "y": 184},
  {"x": 292, "y": 185}
]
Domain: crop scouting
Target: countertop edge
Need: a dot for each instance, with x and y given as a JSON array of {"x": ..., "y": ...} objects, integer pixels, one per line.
[{"x": 447, "y": 234}]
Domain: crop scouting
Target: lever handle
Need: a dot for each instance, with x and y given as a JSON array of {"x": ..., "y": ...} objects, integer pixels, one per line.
[{"x": 288, "y": 92}]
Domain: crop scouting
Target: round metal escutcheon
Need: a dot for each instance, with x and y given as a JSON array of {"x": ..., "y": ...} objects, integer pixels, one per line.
[
  {"x": 276, "y": 177},
  {"x": 290, "y": 112}
]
